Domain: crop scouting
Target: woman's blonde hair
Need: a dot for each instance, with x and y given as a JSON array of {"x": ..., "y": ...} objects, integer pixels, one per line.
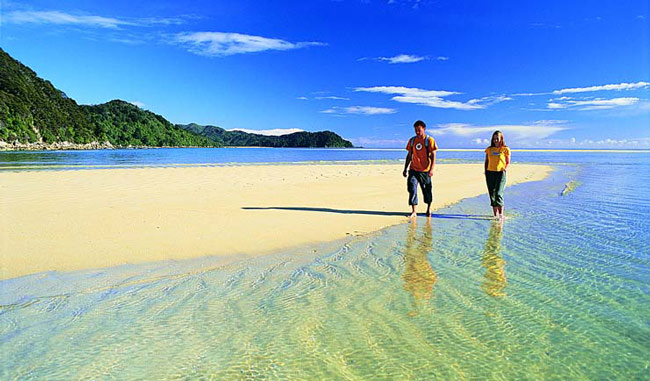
[{"x": 501, "y": 139}]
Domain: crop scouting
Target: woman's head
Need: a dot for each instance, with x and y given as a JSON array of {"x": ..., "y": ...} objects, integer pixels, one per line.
[{"x": 497, "y": 139}]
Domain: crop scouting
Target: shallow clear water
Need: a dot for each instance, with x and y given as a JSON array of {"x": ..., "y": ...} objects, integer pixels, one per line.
[{"x": 561, "y": 290}]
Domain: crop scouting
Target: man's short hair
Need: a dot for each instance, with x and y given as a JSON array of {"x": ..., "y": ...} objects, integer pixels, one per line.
[{"x": 419, "y": 123}]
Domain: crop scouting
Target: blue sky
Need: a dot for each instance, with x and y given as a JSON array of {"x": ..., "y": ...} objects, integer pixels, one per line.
[{"x": 551, "y": 74}]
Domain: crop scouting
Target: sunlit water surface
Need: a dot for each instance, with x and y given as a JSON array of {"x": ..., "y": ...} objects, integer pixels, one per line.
[{"x": 561, "y": 290}]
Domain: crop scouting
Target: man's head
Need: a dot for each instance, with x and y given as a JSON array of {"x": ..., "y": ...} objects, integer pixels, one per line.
[{"x": 419, "y": 127}]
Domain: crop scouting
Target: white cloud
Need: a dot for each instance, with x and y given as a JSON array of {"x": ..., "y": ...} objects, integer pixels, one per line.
[
  {"x": 372, "y": 142},
  {"x": 431, "y": 98},
  {"x": 273, "y": 132},
  {"x": 360, "y": 110},
  {"x": 590, "y": 104},
  {"x": 489, "y": 100},
  {"x": 611, "y": 87},
  {"x": 617, "y": 87},
  {"x": 302, "y": 98},
  {"x": 128, "y": 41},
  {"x": 137, "y": 103},
  {"x": 549, "y": 122},
  {"x": 367, "y": 110},
  {"x": 225, "y": 44},
  {"x": 480, "y": 141},
  {"x": 61, "y": 18},
  {"x": 442, "y": 58},
  {"x": 334, "y": 98},
  {"x": 517, "y": 132},
  {"x": 405, "y": 91},
  {"x": 402, "y": 58},
  {"x": 164, "y": 21},
  {"x": 629, "y": 143}
]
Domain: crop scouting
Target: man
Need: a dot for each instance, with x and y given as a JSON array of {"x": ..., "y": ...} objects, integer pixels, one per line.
[{"x": 419, "y": 164}]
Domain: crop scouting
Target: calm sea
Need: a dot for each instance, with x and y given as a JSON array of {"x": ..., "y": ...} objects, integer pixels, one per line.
[
  {"x": 43, "y": 160},
  {"x": 561, "y": 290}
]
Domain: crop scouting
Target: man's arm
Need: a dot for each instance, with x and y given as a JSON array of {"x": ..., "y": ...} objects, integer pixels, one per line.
[
  {"x": 432, "y": 157},
  {"x": 406, "y": 164}
]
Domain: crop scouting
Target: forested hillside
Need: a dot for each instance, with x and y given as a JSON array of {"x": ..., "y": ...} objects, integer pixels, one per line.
[
  {"x": 296, "y": 139},
  {"x": 33, "y": 110}
]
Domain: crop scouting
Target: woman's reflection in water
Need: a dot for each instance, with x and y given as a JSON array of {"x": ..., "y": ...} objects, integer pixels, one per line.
[
  {"x": 495, "y": 281},
  {"x": 418, "y": 276}
]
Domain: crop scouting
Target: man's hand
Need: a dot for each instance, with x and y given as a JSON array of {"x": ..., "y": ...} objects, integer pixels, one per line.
[
  {"x": 431, "y": 173},
  {"x": 404, "y": 173}
]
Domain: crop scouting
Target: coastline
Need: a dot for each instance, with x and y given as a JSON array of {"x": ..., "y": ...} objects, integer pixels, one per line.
[
  {"x": 73, "y": 220},
  {"x": 68, "y": 146},
  {"x": 41, "y": 146}
]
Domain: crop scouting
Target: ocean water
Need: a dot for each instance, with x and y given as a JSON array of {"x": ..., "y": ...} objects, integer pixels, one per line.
[
  {"x": 164, "y": 157},
  {"x": 22, "y": 160},
  {"x": 560, "y": 290}
]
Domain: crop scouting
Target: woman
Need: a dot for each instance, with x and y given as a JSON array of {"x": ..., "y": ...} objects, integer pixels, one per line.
[{"x": 497, "y": 158}]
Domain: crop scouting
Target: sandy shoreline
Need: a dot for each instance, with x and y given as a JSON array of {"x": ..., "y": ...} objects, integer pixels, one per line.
[{"x": 71, "y": 220}]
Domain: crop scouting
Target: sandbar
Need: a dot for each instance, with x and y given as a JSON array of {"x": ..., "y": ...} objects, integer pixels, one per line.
[{"x": 84, "y": 219}]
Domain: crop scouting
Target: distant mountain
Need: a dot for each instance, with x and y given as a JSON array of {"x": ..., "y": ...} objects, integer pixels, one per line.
[
  {"x": 296, "y": 139},
  {"x": 36, "y": 115}
]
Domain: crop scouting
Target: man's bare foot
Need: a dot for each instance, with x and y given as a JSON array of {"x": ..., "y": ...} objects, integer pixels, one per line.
[
  {"x": 428, "y": 214},
  {"x": 413, "y": 215}
]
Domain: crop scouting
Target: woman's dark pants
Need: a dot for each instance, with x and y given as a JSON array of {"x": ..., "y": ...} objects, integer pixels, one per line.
[{"x": 496, "y": 184}]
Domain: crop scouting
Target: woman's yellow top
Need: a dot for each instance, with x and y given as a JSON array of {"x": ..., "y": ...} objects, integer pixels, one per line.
[{"x": 497, "y": 158}]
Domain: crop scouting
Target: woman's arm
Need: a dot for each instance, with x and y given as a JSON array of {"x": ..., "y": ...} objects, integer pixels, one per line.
[{"x": 485, "y": 165}]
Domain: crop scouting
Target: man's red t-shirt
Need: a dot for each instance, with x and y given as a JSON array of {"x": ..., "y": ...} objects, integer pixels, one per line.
[{"x": 420, "y": 160}]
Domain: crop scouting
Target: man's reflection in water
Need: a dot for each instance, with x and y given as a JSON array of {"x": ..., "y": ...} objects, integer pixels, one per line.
[
  {"x": 495, "y": 281},
  {"x": 418, "y": 276}
]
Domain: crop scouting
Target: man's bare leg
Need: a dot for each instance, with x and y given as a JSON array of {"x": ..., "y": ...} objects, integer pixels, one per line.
[{"x": 413, "y": 213}]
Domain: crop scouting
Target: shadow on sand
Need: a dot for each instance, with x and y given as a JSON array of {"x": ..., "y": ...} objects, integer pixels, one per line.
[{"x": 365, "y": 212}]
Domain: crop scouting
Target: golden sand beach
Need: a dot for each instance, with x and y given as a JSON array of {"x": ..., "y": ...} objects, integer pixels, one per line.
[{"x": 80, "y": 219}]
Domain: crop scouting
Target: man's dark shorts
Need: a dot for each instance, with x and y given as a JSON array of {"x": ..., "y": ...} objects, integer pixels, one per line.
[{"x": 424, "y": 180}]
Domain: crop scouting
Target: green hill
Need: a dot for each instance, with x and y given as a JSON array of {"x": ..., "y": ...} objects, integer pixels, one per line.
[
  {"x": 31, "y": 108},
  {"x": 127, "y": 124},
  {"x": 33, "y": 111},
  {"x": 296, "y": 139}
]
